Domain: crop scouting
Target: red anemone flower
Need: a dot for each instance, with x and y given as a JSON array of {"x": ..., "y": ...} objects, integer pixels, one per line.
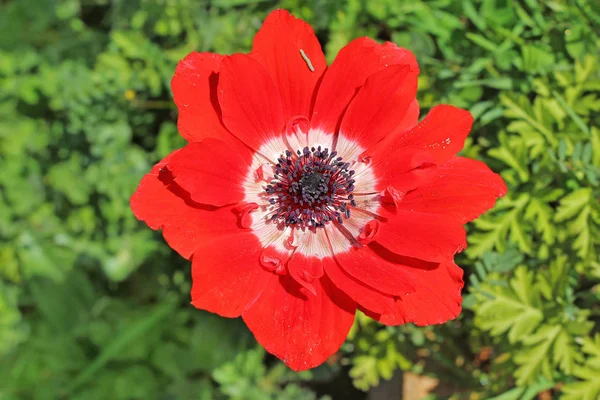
[{"x": 307, "y": 192}]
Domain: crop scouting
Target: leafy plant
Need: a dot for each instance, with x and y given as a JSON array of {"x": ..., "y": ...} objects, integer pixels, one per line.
[{"x": 94, "y": 306}]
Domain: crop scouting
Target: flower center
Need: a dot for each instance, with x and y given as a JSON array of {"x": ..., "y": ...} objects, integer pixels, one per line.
[{"x": 310, "y": 188}]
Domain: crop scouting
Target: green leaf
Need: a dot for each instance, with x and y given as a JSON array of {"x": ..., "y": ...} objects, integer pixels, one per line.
[
  {"x": 536, "y": 59},
  {"x": 522, "y": 109},
  {"x": 515, "y": 310},
  {"x": 498, "y": 227},
  {"x": 588, "y": 387},
  {"x": 569, "y": 110},
  {"x": 120, "y": 342},
  {"x": 573, "y": 204},
  {"x": 540, "y": 215},
  {"x": 535, "y": 360}
]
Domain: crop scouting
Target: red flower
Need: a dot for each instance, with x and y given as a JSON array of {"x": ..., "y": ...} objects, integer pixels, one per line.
[{"x": 308, "y": 191}]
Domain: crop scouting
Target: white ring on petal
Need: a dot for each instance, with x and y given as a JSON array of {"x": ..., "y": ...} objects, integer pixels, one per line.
[
  {"x": 276, "y": 233},
  {"x": 312, "y": 243}
]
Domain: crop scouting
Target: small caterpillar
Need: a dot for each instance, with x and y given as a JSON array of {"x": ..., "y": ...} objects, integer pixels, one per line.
[{"x": 307, "y": 61}]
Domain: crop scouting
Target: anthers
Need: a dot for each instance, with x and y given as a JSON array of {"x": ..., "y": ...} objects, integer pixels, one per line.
[{"x": 310, "y": 188}]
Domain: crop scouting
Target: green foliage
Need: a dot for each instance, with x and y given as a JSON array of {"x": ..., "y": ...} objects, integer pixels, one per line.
[
  {"x": 589, "y": 387},
  {"x": 246, "y": 377},
  {"x": 529, "y": 73},
  {"x": 524, "y": 314},
  {"x": 93, "y": 305},
  {"x": 378, "y": 353}
]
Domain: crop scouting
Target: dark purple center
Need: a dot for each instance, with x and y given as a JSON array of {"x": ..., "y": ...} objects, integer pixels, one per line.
[{"x": 310, "y": 188}]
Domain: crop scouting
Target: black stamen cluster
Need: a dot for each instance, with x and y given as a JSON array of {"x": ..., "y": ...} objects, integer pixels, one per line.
[{"x": 311, "y": 187}]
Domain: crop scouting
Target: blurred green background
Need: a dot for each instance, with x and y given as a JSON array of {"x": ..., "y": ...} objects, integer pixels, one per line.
[{"x": 94, "y": 305}]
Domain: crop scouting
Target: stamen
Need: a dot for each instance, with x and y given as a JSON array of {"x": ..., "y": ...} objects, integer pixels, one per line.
[{"x": 310, "y": 188}]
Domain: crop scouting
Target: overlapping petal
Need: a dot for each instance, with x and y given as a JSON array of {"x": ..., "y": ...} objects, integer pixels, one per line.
[
  {"x": 211, "y": 171},
  {"x": 411, "y": 118},
  {"x": 289, "y": 50},
  {"x": 363, "y": 265},
  {"x": 356, "y": 62},
  {"x": 405, "y": 169},
  {"x": 250, "y": 102},
  {"x": 461, "y": 189},
  {"x": 369, "y": 298},
  {"x": 443, "y": 132},
  {"x": 306, "y": 264},
  {"x": 424, "y": 236},
  {"x": 367, "y": 267},
  {"x": 163, "y": 204},
  {"x": 227, "y": 276},
  {"x": 376, "y": 111},
  {"x": 194, "y": 86},
  {"x": 437, "y": 298},
  {"x": 301, "y": 328}
]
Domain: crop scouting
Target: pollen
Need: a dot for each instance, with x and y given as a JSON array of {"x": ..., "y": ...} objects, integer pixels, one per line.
[{"x": 311, "y": 188}]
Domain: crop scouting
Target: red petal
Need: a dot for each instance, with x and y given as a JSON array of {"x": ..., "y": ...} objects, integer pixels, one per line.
[
  {"x": 367, "y": 267},
  {"x": 277, "y": 46},
  {"x": 377, "y": 110},
  {"x": 357, "y": 61},
  {"x": 194, "y": 88},
  {"x": 250, "y": 102},
  {"x": 304, "y": 270},
  {"x": 410, "y": 119},
  {"x": 227, "y": 276},
  {"x": 391, "y": 142},
  {"x": 405, "y": 168},
  {"x": 461, "y": 189},
  {"x": 436, "y": 300},
  {"x": 301, "y": 329},
  {"x": 163, "y": 204},
  {"x": 211, "y": 171},
  {"x": 443, "y": 131},
  {"x": 306, "y": 264},
  {"x": 369, "y": 298},
  {"x": 424, "y": 236}
]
